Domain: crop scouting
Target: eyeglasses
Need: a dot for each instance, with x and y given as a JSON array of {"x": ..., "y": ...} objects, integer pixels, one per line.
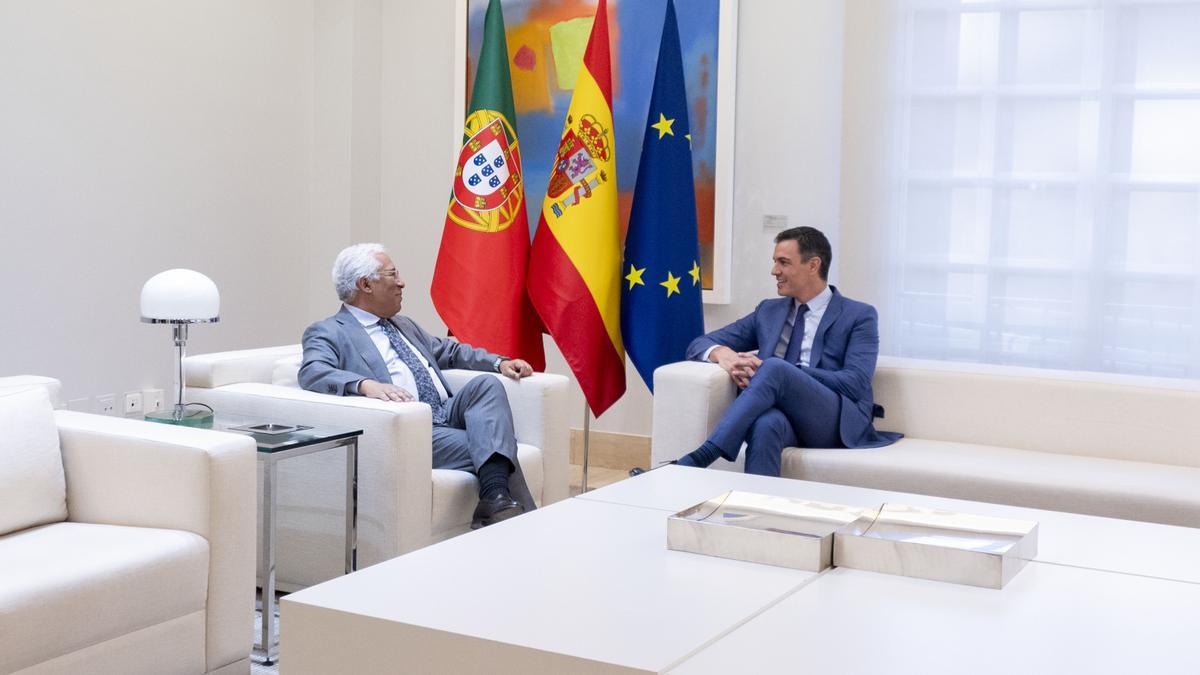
[{"x": 393, "y": 273}]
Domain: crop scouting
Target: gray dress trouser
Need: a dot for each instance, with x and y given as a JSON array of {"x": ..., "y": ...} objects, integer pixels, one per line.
[{"x": 479, "y": 424}]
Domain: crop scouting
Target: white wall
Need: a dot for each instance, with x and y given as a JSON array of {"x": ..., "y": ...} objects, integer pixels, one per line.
[
  {"x": 418, "y": 138},
  {"x": 252, "y": 141},
  {"x": 345, "y": 186},
  {"x": 870, "y": 108},
  {"x": 136, "y": 136}
]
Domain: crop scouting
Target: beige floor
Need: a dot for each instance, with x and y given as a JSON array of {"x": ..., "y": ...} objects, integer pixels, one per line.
[
  {"x": 612, "y": 456},
  {"x": 598, "y": 476}
]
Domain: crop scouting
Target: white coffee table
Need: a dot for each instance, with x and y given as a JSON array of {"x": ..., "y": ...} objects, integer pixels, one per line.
[
  {"x": 578, "y": 587},
  {"x": 587, "y": 585},
  {"x": 1110, "y": 544},
  {"x": 1049, "y": 620}
]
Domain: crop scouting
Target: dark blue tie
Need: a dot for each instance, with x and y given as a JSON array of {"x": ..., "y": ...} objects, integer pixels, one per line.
[
  {"x": 797, "y": 339},
  {"x": 426, "y": 392}
]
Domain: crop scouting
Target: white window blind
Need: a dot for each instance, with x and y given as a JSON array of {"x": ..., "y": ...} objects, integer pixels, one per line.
[{"x": 1048, "y": 209}]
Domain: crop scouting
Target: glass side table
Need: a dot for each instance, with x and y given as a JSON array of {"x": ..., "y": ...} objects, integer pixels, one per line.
[{"x": 276, "y": 442}]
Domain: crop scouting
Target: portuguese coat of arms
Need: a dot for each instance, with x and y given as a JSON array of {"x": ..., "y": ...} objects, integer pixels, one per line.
[{"x": 487, "y": 182}]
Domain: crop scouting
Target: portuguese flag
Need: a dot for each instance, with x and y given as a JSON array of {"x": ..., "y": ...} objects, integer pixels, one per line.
[
  {"x": 575, "y": 264},
  {"x": 479, "y": 280}
]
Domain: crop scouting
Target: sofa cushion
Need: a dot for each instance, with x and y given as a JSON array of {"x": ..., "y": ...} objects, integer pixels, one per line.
[
  {"x": 66, "y": 586},
  {"x": 12, "y": 383},
  {"x": 455, "y": 493},
  {"x": 1044, "y": 480},
  {"x": 1072, "y": 413},
  {"x": 31, "y": 470},
  {"x": 247, "y": 365}
]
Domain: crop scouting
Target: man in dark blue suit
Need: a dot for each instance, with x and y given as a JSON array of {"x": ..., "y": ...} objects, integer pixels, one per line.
[{"x": 804, "y": 363}]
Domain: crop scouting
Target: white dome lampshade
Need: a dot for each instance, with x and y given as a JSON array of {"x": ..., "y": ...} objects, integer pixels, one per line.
[{"x": 180, "y": 296}]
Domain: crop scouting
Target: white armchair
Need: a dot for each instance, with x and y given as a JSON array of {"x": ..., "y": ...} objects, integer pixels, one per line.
[
  {"x": 139, "y": 560},
  {"x": 690, "y": 398},
  {"x": 404, "y": 504}
]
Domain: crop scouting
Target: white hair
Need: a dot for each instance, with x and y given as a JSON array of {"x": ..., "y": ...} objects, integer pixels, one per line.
[{"x": 355, "y": 262}]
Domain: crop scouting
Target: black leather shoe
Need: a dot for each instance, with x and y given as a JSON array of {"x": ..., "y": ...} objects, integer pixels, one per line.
[
  {"x": 494, "y": 510},
  {"x": 637, "y": 470}
]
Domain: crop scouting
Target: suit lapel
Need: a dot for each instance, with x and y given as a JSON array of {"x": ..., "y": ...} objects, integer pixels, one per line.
[
  {"x": 363, "y": 345},
  {"x": 774, "y": 319},
  {"x": 414, "y": 339},
  {"x": 403, "y": 327},
  {"x": 831, "y": 314}
]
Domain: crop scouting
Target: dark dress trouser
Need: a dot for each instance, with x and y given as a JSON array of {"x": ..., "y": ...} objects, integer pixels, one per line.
[{"x": 781, "y": 407}]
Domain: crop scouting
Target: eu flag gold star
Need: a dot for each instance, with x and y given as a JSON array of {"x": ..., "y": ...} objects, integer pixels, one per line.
[
  {"x": 663, "y": 125},
  {"x": 695, "y": 272},
  {"x": 635, "y": 276},
  {"x": 671, "y": 284}
]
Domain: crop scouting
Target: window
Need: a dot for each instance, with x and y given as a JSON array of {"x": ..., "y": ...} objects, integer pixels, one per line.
[{"x": 1048, "y": 183}]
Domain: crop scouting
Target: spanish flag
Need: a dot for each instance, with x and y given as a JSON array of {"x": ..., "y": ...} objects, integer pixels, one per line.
[{"x": 574, "y": 276}]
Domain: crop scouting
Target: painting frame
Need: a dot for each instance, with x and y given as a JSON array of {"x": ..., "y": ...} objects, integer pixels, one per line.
[{"x": 725, "y": 109}]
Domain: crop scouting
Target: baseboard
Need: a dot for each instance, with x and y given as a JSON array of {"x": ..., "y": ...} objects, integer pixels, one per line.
[
  {"x": 611, "y": 449},
  {"x": 236, "y": 668}
]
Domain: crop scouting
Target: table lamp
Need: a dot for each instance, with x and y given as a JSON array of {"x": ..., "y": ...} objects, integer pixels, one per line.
[{"x": 180, "y": 297}]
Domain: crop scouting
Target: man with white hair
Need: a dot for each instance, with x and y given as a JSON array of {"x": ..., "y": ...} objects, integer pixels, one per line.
[{"x": 369, "y": 349}]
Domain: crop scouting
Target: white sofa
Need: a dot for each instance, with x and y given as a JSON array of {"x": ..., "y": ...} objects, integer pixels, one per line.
[
  {"x": 137, "y": 555},
  {"x": 1100, "y": 444},
  {"x": 404, "y": 504}
]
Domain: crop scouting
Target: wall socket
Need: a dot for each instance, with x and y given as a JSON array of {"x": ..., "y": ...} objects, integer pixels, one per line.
[
  {"x": 106, "y": 404},
  {"x": 152, "y": 400},
  {"x": 133, "y": 403}
]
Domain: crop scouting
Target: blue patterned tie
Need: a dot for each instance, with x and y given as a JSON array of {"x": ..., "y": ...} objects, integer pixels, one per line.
[
  {"x": 426, "y": 392},
  {"x": 797, "y": 339}
]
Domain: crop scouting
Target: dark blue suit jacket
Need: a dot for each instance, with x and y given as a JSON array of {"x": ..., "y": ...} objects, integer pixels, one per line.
[{"x": 843, "y": 356}]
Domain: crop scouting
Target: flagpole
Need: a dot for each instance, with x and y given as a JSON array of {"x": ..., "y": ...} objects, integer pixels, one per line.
[{"x": 587, "y": 416}]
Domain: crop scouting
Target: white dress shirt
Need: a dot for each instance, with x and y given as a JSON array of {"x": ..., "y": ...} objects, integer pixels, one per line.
[
  {"x": 401, "y": 376},
  {"x": 812, "y": 320}
]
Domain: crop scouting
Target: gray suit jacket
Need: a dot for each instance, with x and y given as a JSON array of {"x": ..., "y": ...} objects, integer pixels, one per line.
[{"x": 338, "y": 352}]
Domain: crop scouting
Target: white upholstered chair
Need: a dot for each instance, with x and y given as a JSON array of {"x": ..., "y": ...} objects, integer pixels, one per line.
[
  {"x": 125, "y": 546},
  {"x": 403, "y": 502}
]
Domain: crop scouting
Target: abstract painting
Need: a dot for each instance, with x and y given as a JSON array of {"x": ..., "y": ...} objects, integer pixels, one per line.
[{"x": 546, "y": 39}]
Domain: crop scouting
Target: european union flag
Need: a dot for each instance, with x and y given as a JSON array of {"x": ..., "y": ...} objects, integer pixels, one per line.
[{"x": 661, "y": 308}]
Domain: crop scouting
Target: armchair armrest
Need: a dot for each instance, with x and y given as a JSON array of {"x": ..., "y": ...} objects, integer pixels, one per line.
[
  {"x": 689, "y": 399},
  {"x": 127, "y": 472},
  {"x": 394, "y": 464},
  {"x": 539, "y": 406}
]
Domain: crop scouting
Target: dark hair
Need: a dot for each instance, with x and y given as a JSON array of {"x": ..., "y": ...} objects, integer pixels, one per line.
[{"x": 811, "y": 242}]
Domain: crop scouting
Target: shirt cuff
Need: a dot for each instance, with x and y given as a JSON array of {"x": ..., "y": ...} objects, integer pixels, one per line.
[
  {"x": 704, "y": 356},
  {"x": 352, "y": 388}
]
